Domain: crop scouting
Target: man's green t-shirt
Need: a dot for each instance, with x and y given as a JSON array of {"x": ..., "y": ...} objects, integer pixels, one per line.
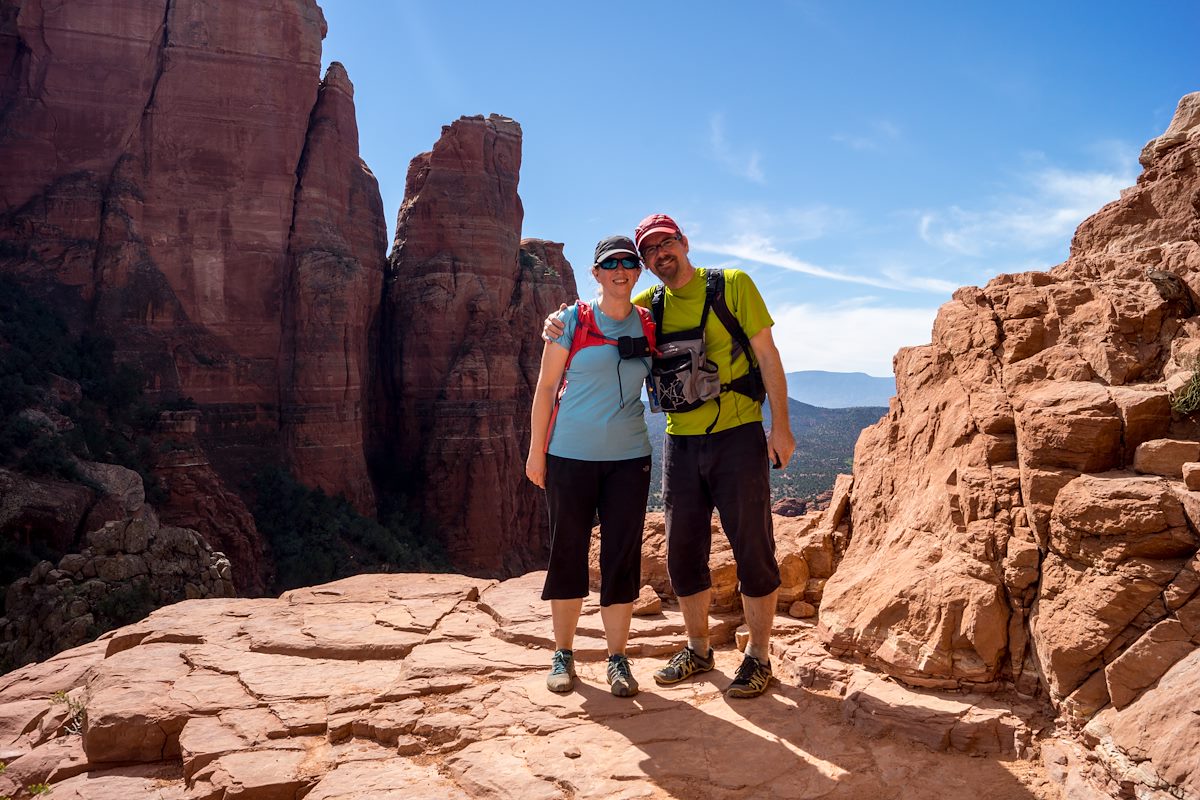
[{"x": 681, "y": 311}]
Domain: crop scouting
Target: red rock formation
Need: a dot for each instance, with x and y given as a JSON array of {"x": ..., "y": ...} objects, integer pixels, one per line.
[
  {"x": 198, "y": 499},
  {"x": 331, "y": 290},
  {"x": 460, "y": 350},
  {"x": 1001, "y": 533},
  {"x": 172, "y": 176}
]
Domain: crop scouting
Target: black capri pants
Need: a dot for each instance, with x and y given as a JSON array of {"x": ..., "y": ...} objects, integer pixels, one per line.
[
  {"x": 576, "y": 491},
  {"x": 729, "y": 470}
]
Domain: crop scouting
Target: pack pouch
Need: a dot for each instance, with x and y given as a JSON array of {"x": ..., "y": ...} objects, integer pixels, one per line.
[{"x": 681, "y": 376}]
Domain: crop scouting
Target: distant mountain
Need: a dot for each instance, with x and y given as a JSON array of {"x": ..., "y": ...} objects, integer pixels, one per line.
[
  {"x": 839, "y": 389},
  {"x": 825, "y": 439}
]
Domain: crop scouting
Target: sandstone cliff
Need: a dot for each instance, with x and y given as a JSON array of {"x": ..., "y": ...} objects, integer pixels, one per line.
[
  {"x": 459, "y": 352},
  {"x": 1021, "y": 516},
  {"x": 177, "y": 175}
]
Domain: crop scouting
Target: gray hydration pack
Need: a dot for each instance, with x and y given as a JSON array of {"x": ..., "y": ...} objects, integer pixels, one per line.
[{"x": 682, "y": 378}]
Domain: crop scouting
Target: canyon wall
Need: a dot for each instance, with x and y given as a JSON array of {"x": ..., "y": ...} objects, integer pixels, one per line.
[{"x": 177, "y": 175}]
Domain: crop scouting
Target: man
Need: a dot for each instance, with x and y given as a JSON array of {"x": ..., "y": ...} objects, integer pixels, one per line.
[{"x": 717, "y": 455}]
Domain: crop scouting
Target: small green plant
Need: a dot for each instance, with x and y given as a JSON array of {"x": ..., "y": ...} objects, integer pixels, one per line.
[
  {"x": 39, "y": 788},
  {"x": 1186, "y": 401},
  {"x": 76, "y": 712}
]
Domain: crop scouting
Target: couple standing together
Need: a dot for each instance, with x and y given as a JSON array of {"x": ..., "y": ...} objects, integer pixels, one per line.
[{"x": 590, "y": 451}]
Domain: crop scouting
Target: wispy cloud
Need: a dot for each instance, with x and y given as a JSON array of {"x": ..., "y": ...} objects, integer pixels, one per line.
[
  {"x": 1055, "y": 201},
  {"x": 854, "y": 337},
  {"x": 750, "y": 247},
  {"x": 877, "y": 135},
  {"x": 744, "y": 164},
  {"x": 762, "y": 250}
]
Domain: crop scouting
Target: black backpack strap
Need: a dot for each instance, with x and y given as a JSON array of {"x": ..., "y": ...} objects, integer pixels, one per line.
[
  {"x": 750, "y": 384},
  {"x": 716, "y": 295},
  {"x": 656, "y": 305}
]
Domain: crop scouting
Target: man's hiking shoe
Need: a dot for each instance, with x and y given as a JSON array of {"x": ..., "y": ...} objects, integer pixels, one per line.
[
  {"x": 562, "y": 672},
  {"x": 752, "y": 678},
  {"x": 684, "y": 664},
  {"x": 620, "y": 678}
]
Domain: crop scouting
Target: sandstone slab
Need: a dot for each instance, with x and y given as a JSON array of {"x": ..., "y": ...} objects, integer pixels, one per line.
[
  {"x": 1165, "y": 457},
  {"x": 464, "y": 713}
]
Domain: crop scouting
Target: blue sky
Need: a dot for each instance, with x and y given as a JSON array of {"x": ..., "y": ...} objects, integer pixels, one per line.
[{"x": 860, "y": 159}]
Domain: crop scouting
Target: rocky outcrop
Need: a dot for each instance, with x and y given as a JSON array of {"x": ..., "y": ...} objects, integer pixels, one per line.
[
  {"x": 434, "y": 686},
  {"x": 128, "y": 568},
  {"x": 1001, "y": 533},
  {"x": 50, "y": 517},
  {"x": 460, "y": 351},
  {"x": 177, "y": 176},
  {"x": 197, "y": 498}
]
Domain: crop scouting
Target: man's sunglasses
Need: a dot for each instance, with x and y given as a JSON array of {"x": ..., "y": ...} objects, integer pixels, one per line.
[{"x": 613, "y": 263}]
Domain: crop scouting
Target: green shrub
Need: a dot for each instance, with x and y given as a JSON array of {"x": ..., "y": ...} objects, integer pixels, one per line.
[
  {"x": 1186, "y": 401},
  {"x": 316, "y": 538},
  {"x": 126, "y": 604}
]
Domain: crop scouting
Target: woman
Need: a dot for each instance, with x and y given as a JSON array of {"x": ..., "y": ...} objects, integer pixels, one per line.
[{"x": 590, "y": 451}]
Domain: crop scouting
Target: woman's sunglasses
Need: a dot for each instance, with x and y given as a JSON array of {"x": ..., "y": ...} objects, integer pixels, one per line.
[{"x": 613, "y": 263}]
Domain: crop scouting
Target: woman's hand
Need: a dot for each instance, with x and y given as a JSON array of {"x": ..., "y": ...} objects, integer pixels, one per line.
[{"x": 535, "y": 468}]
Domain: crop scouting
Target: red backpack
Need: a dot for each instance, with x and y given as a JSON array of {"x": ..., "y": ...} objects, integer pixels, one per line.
[{"x": 588, "y": 334}]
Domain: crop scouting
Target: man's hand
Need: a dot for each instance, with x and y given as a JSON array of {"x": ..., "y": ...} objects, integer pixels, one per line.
[
  {"x": 780, "y": 441},
  {"x": 781, "y": 444},
  {"x": 553, "y": 327}
]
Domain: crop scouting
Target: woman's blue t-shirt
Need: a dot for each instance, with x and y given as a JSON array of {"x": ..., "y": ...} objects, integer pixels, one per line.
[{"x": 601, "y": 418}]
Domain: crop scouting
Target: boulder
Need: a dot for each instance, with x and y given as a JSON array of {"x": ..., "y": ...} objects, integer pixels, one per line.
[{"x": 1165, "y": 457}]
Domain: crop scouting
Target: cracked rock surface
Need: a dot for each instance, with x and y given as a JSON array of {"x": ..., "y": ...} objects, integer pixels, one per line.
[{"x": 434, "y": 686}]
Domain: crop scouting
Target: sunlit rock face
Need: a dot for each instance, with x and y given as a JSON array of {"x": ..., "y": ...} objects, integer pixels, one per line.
[
  {"x": 1020, "y": 516},
  {"x": 177, "y": 175},
  {"x": 460, "y": 347}
]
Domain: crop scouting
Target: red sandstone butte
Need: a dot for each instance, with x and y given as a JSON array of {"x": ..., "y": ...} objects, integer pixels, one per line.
[
  {"x": 459, "y": 347},
  {"x": 177, "y": 176}
]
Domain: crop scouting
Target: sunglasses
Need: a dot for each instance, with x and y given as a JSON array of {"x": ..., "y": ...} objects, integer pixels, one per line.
[
  {"x": 627, "y": 262},
  {"x": 651, "y": 251}
]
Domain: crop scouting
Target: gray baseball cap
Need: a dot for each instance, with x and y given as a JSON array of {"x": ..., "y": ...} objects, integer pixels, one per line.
[{"x": 614, "y": 246}]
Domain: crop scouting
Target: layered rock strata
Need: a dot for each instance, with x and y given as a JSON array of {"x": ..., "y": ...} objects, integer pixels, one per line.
[
  {"x": 177, "y": 175},
  {"x": 1001, "y": 532},
  {"x": 459, "y": 349}
]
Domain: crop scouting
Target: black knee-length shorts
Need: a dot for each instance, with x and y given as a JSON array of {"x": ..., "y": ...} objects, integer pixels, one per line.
[
  {"x": 728, "y": 470},
  {"x": 576, "y": 492}
]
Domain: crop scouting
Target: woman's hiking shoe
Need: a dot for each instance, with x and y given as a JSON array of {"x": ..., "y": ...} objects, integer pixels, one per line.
[
  {"x": 684, "y": 664},
  {"x": 620, "y": 678},
  {"x": 752, "y": 678},
  {"x": 562, "y": 672}
]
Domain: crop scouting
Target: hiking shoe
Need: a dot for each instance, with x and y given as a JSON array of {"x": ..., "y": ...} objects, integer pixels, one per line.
[
  {"x": 562, "y": 672},
  {"x": 752, "y": 678},
  {"x": 684, "y": 664},
  {"x": 620, "y": 678}
]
